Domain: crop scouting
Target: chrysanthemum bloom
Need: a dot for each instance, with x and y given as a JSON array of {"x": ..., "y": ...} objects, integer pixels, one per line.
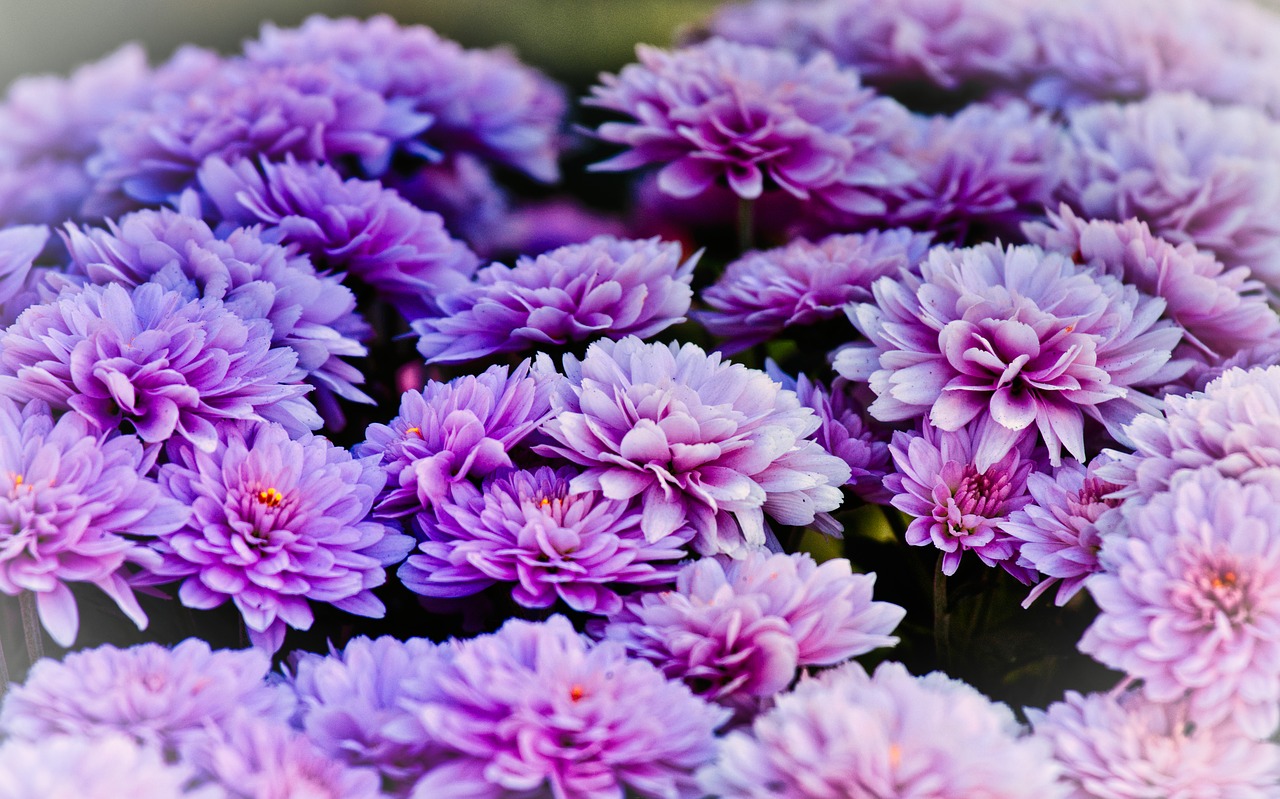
[
  {"x": 463, "y": 192},
  {"x": 312, "y": 314},
  {"x": 606, "y": 286},
  {"x": 536, "y": 709},
  {"x": 764, "y": 292},
  {"x": 1221, "y": 311},
  {"x": 1024, "y": 339},
  {"x": 959, "y": 507},
  {"x": 479, "y": 101},
  {"x": 1057, "y": 533},
  {"x": 108, "y": 767},
  {"x": 355, "y": 227},
  {"x": 454, "y": 432},
  {"x": 155, "y": 695},
  {"x": 755, "y": 119},
  {"x": 552, "y": 543},
  {"x": 849, "y": 734},
  {"x": 276, "y": 523},
  {"x": 153, "y": 360},
  {"x": 354, "y": 705},
  {"x": 701, "y": 442},
  {"x": 20, "y": 245},
  {"x": 1123, "y": 747},
  {"x": 1192, "y": 172},
  {"x": 1189, "y": 595},
  {"x": 71, "y": 504},
  {"x": 736, "y": 631}
]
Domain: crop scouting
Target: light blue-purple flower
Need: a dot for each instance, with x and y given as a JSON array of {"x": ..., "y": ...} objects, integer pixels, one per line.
[
  {"x": 106, "y": 767},
  {"x": 20, "y": 281}
]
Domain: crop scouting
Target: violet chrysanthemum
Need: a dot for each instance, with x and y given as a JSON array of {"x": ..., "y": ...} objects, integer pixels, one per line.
[
  {"x": 95, "y": 768},
  {"x": 606, "y": 286},
  {"x": 453, "y": 432},
  {"x": 72, "y": 506},
  {"x": 551, "y": 542},
  {"x": 355, "y": 227},
  {"x": 20, "y": 281},
  {"x": 736, "y": 631},
  {"x": 478, "y": 101},
  {"x": 276, "y": 524},
  {"x": 700, "y": 441},
  {"x": 537, "y": 709},
  {"x": 764, "y": 292},
  {"x": 152, "y": 694},
  {"x": 152, "y": 360},
  {"x": 1057, "y": 533},
  {"x": 1189, "y": 595},
  {"x": 1018, "y": 337},
  {"x": 1194, "y": 173},
  {"x": 1123, "y": 747},
  {"x": 755, "y": 119},
  {"x": 846, "y": 733},
  {"x": 959, "y": 506}
]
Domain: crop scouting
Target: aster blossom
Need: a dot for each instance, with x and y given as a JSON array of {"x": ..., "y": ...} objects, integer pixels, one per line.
[
  {"x": 1189, "y": 598},
  {"x": 607, "y": 285},
  {"x": 1018, "y": 337},
  {"x": 699, "y": 441},
  {"x": 95, "y": 768},
  {"x": 736, "y": 631},
  {"x": 531, "y": 529},
  {"x": 276, "y": 524}
]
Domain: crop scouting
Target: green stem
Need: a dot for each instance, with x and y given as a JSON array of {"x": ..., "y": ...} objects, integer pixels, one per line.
[
  {"x": 746, "y": 224},
  {"x": 941, "y": 618}
]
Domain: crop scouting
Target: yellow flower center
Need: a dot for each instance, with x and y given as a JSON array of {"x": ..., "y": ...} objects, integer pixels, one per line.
[{"x": 271, "y": 498}]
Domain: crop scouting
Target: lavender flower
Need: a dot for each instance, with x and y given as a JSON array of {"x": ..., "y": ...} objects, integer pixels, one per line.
[
  {"x": 735, "y": 631},
  {"x": 1113, "y": 747},
  {"x": 701, "y": 442},
  {"x": 553, "y": 543},
  {"x": 754, "y": 119},
  {"x": 959, "y": 506},
  {"x": 764, "y": 292},
  {"x": 95, "y": 768},
  {"x": 1017, "y": 337},
  {"x": 538, "y": 710},
  {"x": 152, "y": 694},
  {"x": 608, "y": 286},
  {"x": 850, "y": 734},
  {"x": 356, "y": 227},
  {"x": 539, "y": 226},
  {"x": 463, "y": 192},
  {"x": 150, "y": 359},
  {"x": 453, "y": 432},
  {"x": 1189, "y": 595},
  {"x": 20, "y": 283},
  {"x": 275, "y": 523}
]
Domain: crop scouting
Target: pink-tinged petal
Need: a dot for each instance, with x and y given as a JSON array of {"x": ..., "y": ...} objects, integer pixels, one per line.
[
  {"x": 661, "y": 516},
  {"x": 59, "y": 614},
  {"x": 644, "y": 443},
  {"x": 955, "y": 408},
  {"x": 1013, "y": 407}
]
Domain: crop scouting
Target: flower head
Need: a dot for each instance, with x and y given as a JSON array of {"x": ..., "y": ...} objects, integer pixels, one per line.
[
  {"x": 20, "y": 282},
  {"x": 106, "y": 767}
]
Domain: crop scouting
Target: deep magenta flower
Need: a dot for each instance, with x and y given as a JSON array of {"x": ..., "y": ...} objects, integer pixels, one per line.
[
  {"x": 529, "y": 528},
  {"x": 606, "y": 286},
  {"x": 756, "y": 119},
  {"x": 105, "y": 767},
  {"x": 764, "y": 292},
  {"x": 736, "y": 631},
  {"x": 700, "y": 441},
  {"x": 276, "y": 524},
  {"x": 1018, "y": 337}
]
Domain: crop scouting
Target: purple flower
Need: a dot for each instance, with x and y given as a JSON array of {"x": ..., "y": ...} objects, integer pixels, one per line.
[
  {"x": 1189, "y": 598},
  {"x": 1113, "y": 747},
  {"x": 478, "y": 101},
  {"x": 764, "y": 292},
  {"x": 849, "y": 734},
  {"x": 958, "y": 506},
  {"x": 276, "y": 523},
  {"x": 463, "y": 192},
  {"x": 155, "y": 695},
  {"x": 152, "y": 360},
  {"x": 1192, "y": 172},
  {"x": 538, "y": 226},
  {"x": 71, "y": 504},
  {"x": 1020, "y": 338},
  {"x": 736, "y": 631},
  {"x": 531, "y": 529},
  {"x": 454, "y": 432},
  {"x": 539, "y": 710},
  {"x": 701, "y": 442},
  {"x": 754, "y": 119},
  {"x": 20, "y": 283},
  {"x": 355, "y": 227},
  {"x": 615, "y": 287},
  {"x": 95, "y": 768}
]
